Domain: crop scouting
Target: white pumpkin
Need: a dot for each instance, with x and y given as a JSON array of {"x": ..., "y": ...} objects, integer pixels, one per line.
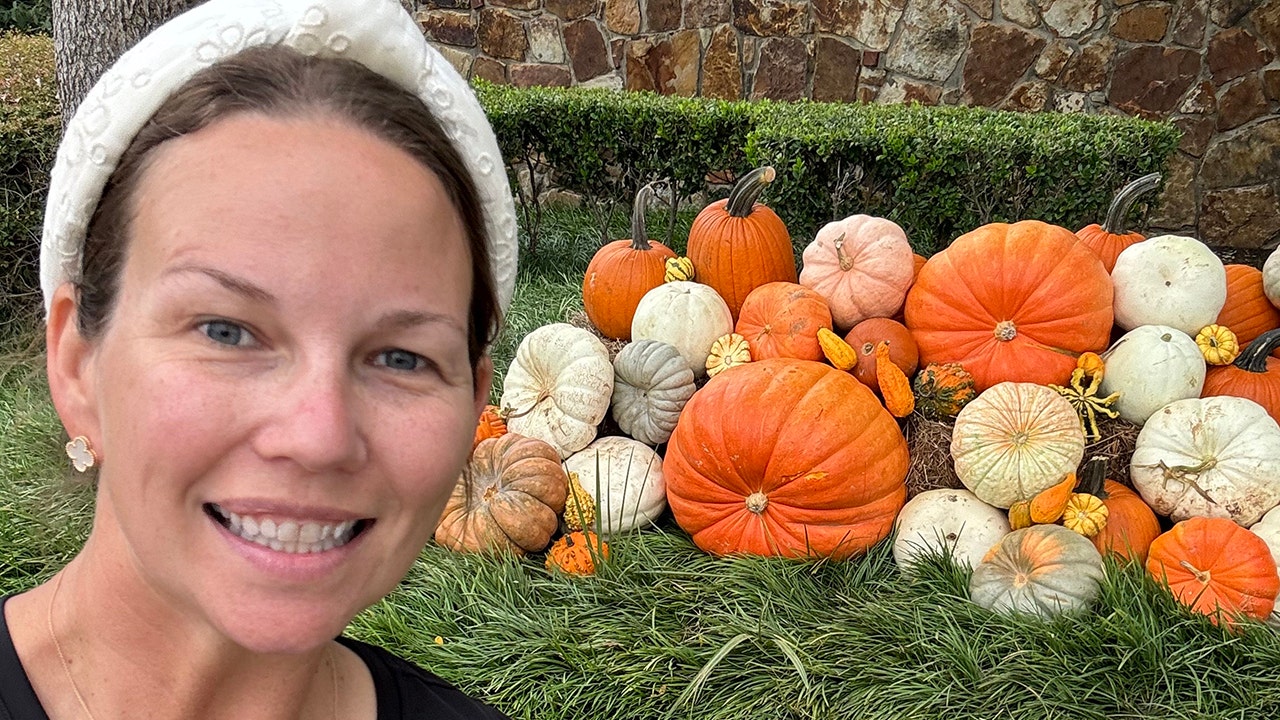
[
  {"x": 1169, "y": 280},
  {"x": 558, "y": 387},
  {"x": 863, "y": 267},
  {"x": 1014, "y": 440},
  {"x": 624, "y": 479},
  {"x": 1152, "y": 366},
  {"x": 688, "y": 315},
  {"x": 1271, "y": 277},
  {"x": 945, "y": 520},
  {"x": 651, "y": 384},
  {"x": 1042, "y": 570},
  {"x": 1268, "y": 528},
  {"x": 1209, "y": 457}
]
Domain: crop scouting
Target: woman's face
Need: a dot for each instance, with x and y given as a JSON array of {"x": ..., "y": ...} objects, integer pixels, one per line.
[{"x": 287, "y": 358}]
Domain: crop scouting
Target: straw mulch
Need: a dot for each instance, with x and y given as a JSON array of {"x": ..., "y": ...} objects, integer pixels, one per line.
[
  {"x": 1119, "y": 438},
  {"x": 579, "y": 319}
]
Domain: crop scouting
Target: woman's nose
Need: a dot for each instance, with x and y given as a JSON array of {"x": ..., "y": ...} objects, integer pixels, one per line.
[{"x": 315, "y": 421}]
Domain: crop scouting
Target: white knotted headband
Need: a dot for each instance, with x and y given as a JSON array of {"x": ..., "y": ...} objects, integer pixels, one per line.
[{"x": 378, "y": 34}]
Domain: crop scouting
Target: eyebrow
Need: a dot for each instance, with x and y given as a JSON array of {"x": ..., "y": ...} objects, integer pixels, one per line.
[
  {"x": 237, "y": 285},
  {"x": 406, "y": 319}
]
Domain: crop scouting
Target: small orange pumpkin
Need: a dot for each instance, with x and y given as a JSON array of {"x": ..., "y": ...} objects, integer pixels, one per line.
[
  {"x": 1109, "y": 239},
  {"x": 621, "y": 272},
  {"x": 1217, "y": 568},
  {"x": 866, "y": 335},
  {"x": 1254, "y": 375},
  {"x": 782, "y": 319}
]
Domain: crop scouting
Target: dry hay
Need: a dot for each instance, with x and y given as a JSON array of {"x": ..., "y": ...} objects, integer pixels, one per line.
[
  {"x": 1119, "y": 438},
  {"x": 929, "y": 446},
  {"x": 579, "y": 319}
]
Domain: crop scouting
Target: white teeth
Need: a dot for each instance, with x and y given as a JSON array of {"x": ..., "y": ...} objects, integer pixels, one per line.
[{"x": 289, "y": 536}]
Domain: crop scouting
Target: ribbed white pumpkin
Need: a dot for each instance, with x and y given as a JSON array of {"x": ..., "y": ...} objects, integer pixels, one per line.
[
  {"x": 558, "y": 386},
  {"x": 1042, "y": 570},
  {"x": 651, "y": 384},
  {"x": 1268, "y": 528},
  {"x": 1151, "y": 366},
  {"x": 624, "y": 479},
  {"x": 862, "y": 266},
  {"x": 1014, "y": 440},
  {"x": 1169, "y": 280},
  {"x": 688, "y": 315},
  {"x": 946, "y": 520},
  {"x": 1209, "y": 457}
]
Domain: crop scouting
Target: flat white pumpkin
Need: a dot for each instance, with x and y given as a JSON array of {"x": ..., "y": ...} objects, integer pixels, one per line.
[
  {"x": 1042, "y": 570},
  {"x": 947, "y": 521},
  {"x": 1152, "y": 366},
  {"x": 1014, "y": 440},
  {"x": 1169, "y": 280},
  {"x": 624, "y": 479},
  {"x": 688, "y": 315},
  {"x": 1209, "y": 457},
  {"x": 558, "y": 387},
  {"x": 651, "y": 384},
  {"x": 863, "y": 267}
]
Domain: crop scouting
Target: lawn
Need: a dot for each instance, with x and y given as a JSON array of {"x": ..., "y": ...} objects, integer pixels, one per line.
[{"x": 667, "y": 631}]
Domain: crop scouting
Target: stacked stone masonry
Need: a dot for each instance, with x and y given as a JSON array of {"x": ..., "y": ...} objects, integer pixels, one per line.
[{"x": 1212, "y": 67}]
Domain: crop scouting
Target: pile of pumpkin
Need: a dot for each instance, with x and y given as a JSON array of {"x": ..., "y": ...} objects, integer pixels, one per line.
[{"x": 1023, "y": 335}]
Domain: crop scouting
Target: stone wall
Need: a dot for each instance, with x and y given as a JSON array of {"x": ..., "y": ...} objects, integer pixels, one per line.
[{"x": 1209, "y": 66}]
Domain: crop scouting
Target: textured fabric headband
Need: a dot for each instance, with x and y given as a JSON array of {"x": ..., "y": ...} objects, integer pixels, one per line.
[{"x": 378, "y": 34}]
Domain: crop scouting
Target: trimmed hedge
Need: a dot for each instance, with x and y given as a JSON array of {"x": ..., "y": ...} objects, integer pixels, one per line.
[{"x": 938, "y": 172}]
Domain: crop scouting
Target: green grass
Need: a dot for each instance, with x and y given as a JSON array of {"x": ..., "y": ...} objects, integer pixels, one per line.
[{"x": 665, "y": 631}]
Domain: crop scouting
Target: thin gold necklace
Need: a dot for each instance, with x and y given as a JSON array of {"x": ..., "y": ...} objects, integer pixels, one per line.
[{"x": 66, "y": 667}]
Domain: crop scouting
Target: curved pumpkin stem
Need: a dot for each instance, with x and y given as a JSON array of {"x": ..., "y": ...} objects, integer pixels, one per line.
[
  {"x": 507, "y": 413},
  {"x": 743, "y": 196},
  {"x": 639, "y": 234},
  {"x": 1254, "y": 357},
  {"x": 1202, "y": 576},
  {"x": 1124, "y": 201}
]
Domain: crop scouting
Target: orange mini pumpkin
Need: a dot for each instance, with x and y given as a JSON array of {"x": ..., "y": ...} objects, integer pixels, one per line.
[
  {"x": 738, "y": 244},
  {"x": 786, "y": 457},
  {"x": 1109, "y": 239},
  {"x": 622, "y": 272},
  {"x": 1215, "y": 567},
  {"x": 782, "y": 319},
  {"x": 866, "y": 335},
  {"x": 1013, "y": 303}
]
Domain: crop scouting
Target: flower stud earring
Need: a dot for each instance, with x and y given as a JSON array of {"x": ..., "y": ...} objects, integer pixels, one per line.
[{"x": 82, "y": 456}]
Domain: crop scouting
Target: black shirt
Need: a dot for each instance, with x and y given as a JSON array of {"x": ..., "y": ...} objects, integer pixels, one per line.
[{"x": 404, "y": 691}]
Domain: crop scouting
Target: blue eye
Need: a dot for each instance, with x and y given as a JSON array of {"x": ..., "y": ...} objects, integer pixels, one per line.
[
  {"x": 401, "y": 360},
  {"x": 224, "y": 333}
]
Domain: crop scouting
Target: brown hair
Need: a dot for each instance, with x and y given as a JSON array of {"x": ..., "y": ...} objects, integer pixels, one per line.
[{"x": 280, "y": 82}]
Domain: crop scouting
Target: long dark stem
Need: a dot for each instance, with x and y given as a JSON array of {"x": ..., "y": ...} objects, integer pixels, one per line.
[
  {"x": 1125, "y": 199},
  {"x": 743, "y": 196}
]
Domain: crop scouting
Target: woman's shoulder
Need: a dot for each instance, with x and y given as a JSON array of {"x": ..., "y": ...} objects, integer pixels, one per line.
[{"x": 405, "y": 690}]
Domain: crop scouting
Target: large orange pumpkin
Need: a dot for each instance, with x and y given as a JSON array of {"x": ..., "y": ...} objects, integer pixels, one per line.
[
  {"x": 1254, "y": 375},
  {"x": 781, "y": 319},
  {"x": 866, "y": 335},
  {"x": 1109, "y": 239},
  {"x": 1013, "y": 303},
  {"x": 785, "y": 457},
  {"x": 1248, "y": 312},
  {"x": 738, "y": 244},
  {"x": 1213, "y": 564},
  {"x": 1131, "y": 523},
  {"x": 621, "y": 272}
]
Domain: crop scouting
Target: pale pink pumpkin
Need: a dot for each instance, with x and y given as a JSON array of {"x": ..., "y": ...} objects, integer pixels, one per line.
[{"x": 862, "y": 265}]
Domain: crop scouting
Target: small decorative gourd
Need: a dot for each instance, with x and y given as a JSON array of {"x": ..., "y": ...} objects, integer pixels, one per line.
[
  {"x": 688, "y": 315},
  {"x": 1049, "y": 504},
  {"x": 558, "y": 387},
  {"x": 726, "y": 352},
  {"x": 1169, "y": 280},
  {"x": 577, "y": 553},
  {"x": 1042, "y": 570},
  {"x": 895, "y": 388},
  {"x": 942, "y": 390},
  {"x": 678, "y": 268},
  {"x": 1218, "y": 344},
  {"x": 1152, "y": 366},
  {"x": 491, "y": 424},
  {"x": 624, "y": 479},
  {"x": 836, "y": 350},
  {"x": 946, "y": 521},
  {"x": 651, "y": 384},
  {"x": 579, "y": 506},
  {"x": 1085, "y": 514},
  {"x": 1131, "y": 525}
]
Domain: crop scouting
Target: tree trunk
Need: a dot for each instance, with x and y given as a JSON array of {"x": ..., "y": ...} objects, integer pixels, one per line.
[{"x": 88, "y": 36}]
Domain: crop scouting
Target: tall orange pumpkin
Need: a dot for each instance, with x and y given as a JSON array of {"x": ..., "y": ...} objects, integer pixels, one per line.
[
  {"x": 1254, "y": 375},
  {"x": 1131, "y": 523},
  {"x": 1213, "y": 564},
  {"x": 1012, "y": 303},
  {"x": 1109, "y": 239},
  {"x": 785, "y": 457},
  {"x": 1248, "y": 312},
  {"x": 738, "y": 244},
  {"x": 621, "y": 272},
  {"x": 781, "y": 319}
]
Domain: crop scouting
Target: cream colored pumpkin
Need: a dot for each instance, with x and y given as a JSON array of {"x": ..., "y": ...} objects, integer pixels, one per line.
[
  {"x": 1014, "y": 440},
  {"x": 1169, "y": 280},
  {"x": 624, "y": 479},
  {"x": 1151, "y": 366},
  {"x": 688, "y": 315},
  {"x": 1042, "y": 570},
  {"x": 1271, "y": 277},
  {"x": 946, "y": 520},
  {"x": 1268, "y": 528},
  {"x": 862, "y": 265},
  {"x": 1209, "y": 457},
  {"x": 651, "y": 384},
  {"x": 558, "y": 387}
]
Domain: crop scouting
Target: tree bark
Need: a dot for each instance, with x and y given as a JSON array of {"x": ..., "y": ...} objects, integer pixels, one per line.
[{"x": 88, "y": 36}]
